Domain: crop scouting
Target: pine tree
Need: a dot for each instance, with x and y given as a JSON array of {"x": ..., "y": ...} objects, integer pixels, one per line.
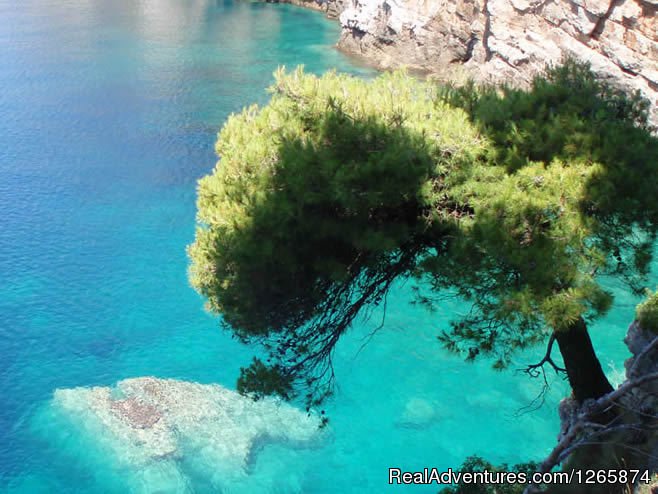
[{"x": 516, "y": 201}]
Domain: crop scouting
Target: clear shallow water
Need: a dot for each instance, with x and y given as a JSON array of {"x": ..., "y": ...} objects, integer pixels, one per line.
[{"x": 108, "y": 116}]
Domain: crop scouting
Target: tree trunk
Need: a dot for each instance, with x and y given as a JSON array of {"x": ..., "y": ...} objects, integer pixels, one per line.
[{"x": 583, "y": 367}]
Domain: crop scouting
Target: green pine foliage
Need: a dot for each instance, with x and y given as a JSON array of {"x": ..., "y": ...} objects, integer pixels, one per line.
[
  {"x": 323, "y": 174},
  {"x": 478, "y": 464},
  {"x": 514, "y": 200},
  {"x": 575, "y": 165}
]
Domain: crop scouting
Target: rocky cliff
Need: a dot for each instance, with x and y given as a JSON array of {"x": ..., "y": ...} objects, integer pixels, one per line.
[
  {"x": 504, "y": 40},
  {"x": 629, "y": 440}
]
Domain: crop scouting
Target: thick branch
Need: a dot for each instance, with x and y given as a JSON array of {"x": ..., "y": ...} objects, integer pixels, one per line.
[{"x": 586, "y": 376}]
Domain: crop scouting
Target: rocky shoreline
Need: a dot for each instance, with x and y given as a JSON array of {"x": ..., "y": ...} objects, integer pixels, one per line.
[
  {"x": 331, "y": 8},
  {"x": 635, "y": 402},
  {"x": 503, "y": 40}
]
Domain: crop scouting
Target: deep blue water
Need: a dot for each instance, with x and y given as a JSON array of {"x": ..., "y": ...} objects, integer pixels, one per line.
[{"x": 108, "y": 114}]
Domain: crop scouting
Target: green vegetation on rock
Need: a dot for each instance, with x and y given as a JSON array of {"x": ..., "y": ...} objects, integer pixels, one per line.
[{"x": 647, "y": 313}]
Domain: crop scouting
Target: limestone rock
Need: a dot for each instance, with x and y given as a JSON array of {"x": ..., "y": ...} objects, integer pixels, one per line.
[{"x": 508, "y": 40}]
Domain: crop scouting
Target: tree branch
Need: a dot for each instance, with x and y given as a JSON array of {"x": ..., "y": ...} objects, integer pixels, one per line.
[{"x": 532, "y": 370}]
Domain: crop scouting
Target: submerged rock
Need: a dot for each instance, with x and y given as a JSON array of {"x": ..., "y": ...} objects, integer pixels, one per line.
[
  {"x": 138, "y": 415},
  {"x": 146, "y": 420},
  {"x": 418, "y": 413}
]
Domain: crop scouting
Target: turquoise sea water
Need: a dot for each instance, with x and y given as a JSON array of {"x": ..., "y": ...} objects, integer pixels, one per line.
[{"x": 108, "y": 115}]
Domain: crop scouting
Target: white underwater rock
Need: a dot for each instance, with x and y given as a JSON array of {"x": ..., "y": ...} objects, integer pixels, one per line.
[
  {"x": 418, "y": 413},
  {"x": 151, "y": 423}
]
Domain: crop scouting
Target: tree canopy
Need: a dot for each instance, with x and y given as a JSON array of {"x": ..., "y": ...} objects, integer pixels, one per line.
[{"x": 514, "y": 200}]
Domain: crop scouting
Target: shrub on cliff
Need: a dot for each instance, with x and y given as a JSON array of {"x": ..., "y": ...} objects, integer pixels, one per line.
[{"x": 647, "y": 313}]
